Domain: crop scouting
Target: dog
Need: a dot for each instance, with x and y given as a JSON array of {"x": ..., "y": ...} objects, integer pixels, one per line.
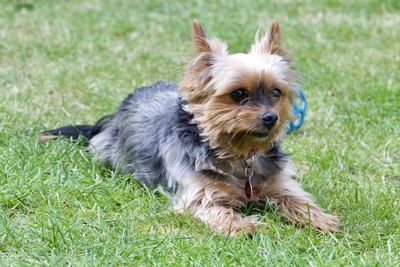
[{"x": 212, "y": 142}]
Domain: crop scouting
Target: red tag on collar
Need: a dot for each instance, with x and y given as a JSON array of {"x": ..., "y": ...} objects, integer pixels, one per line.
[
  {"x": 253, "y": 152},
  {"x": 248, "y": 188}
]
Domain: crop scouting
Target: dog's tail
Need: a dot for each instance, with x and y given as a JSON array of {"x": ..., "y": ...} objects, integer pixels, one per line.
[{"x": 76, "y": 131}]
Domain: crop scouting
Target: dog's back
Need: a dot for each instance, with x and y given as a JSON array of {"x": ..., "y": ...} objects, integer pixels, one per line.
[
  {"x": 145, "y": 135},
  {"x": 131, "y": 141}
]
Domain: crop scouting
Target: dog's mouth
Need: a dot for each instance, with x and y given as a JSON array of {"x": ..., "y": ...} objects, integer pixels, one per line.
[{"x": 260, "y": 134}]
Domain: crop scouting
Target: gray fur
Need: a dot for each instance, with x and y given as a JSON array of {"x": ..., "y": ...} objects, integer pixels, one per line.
[{"x": 154, "y": 138}]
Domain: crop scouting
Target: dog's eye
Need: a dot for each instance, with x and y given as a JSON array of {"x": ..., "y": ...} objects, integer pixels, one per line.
[
  {"x": 239, "y": 95},
  {"x": 276, "y": 92}
]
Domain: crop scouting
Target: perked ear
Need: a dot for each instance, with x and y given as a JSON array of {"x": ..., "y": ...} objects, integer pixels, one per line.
[
  {"x": 199, "y": 38},
  {"x": 274, "y": 37},
  {"x": 270, "y": 43},
  {"x": 198, "y": 74},
  {"x": 204, "y": 45}
]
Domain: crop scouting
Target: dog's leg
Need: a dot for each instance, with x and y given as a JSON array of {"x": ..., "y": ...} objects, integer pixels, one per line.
[
  {"x": 295, "y": 204},
  {"x": 213, "y": 203}
]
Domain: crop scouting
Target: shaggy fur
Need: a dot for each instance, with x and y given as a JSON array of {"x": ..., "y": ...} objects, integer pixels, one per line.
[{"x": 208, "y": 141}]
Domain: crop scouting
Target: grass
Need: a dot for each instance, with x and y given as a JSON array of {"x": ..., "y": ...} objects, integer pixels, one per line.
[{"x": 74, "y": 61}]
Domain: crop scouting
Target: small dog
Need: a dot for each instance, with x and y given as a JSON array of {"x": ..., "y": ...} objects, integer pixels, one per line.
[{"x": 213, "y": 141}]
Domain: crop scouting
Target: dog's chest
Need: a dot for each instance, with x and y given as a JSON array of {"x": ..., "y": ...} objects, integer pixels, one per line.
[
  {"x": 251, "y": 179},
  {"x": 248, "y": 178}
]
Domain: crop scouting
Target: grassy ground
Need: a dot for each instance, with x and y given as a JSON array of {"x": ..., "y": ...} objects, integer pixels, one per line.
[{"x": 74, "y": 61}]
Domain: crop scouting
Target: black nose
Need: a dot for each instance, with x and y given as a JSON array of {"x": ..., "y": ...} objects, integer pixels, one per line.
[{"x": 269, "y": 119}]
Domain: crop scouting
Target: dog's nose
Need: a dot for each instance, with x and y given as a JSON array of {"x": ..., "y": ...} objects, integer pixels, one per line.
[{"x": 269, "y": 119}]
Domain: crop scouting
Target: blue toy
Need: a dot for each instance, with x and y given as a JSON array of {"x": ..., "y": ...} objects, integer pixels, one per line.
[{"x": 299, "y": 111}]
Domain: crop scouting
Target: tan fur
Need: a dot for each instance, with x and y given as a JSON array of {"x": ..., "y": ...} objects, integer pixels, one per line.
[
  {"x": 209, "y": 79},
  {"x": 213, "y": 203},
  {"x": 295, "y": 204},
  {"x": 204, "y": 45},
  {"x": 270, "y": 43},
  {"x": 213, "y": 74},
  {"x": 46, "y": 138}
]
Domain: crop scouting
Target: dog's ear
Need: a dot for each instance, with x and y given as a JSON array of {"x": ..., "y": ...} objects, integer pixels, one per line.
[
  {"x": 199, "y": 38},
  {"x": 270, "y": 43},
  {"x": 204, "y": 45},
  {"x": 195, "y": 84},
  {"x": 274, "y": 38}
]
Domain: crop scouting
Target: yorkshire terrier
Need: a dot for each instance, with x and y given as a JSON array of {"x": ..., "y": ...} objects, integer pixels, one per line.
[{"x": 213, "y": 140}]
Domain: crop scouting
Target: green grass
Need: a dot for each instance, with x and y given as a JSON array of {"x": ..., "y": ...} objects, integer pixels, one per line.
[{"x": 74, "y": 61}]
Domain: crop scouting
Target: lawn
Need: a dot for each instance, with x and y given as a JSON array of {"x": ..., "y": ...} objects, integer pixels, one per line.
[{"x": 74, "y": 61}]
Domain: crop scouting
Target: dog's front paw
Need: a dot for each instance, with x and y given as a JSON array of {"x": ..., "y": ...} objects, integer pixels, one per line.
[
  {"x": 245, "y": 226},
  {"x": 325, "y": 222},
  {"x": 239, "y": 228}
]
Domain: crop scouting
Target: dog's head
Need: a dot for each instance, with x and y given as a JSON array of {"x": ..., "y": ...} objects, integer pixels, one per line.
[{"x": 242, "y": 102}]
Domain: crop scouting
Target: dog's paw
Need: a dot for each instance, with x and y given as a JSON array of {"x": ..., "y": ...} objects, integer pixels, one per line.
[
  {"x": 325, "y": 222},
  {"x": 242, "y": 228},
  {"x": 247, "y": 226}
]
